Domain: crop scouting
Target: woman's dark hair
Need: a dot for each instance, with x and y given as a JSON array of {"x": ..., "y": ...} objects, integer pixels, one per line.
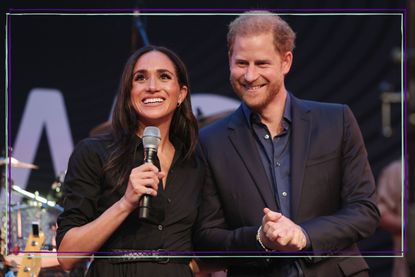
[{"x": 125, "y": 120}]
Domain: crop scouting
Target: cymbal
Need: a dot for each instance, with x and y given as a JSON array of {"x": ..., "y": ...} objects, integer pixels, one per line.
[{"x": 16, "y": 163}]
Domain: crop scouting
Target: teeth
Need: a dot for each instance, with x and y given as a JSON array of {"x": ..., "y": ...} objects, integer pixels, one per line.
[
  {"x": 253, "y": 87},
  {"x": 153, "y": 100}
]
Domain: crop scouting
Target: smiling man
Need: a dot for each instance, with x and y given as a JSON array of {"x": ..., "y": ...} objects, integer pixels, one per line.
[{"x": 286, "y": 176}]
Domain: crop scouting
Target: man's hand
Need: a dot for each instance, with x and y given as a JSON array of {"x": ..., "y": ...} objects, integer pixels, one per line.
[{"x": 280, "y": 233}]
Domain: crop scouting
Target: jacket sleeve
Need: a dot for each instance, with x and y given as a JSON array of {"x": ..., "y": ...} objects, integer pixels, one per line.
[
  {"x": 212, "y": 232},
  {"x": 358, "y": 215}
]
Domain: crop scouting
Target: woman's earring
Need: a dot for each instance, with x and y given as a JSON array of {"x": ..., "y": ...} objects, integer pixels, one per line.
[{"x": 178, "y": 104}]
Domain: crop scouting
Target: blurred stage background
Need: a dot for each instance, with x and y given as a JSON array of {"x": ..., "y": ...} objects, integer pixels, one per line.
[{"x": 65, "y": 69}]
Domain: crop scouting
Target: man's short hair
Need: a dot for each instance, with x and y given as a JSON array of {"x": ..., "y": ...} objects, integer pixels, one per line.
[{"x": 262, "y": 22}]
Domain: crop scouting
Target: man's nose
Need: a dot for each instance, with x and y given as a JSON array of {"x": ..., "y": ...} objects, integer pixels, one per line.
[{"x": 251, "y": 73}]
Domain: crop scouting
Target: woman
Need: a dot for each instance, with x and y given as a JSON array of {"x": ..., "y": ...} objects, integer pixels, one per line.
[{"x": 106, "y": 177}]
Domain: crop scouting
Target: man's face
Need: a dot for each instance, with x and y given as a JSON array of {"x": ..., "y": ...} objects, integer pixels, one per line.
[{"x": 257, "y": 70}]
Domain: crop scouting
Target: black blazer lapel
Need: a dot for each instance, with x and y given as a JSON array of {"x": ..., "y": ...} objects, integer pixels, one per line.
[
  {"x": 241, "y": 138},
  {"x": 301, "y": 130}
]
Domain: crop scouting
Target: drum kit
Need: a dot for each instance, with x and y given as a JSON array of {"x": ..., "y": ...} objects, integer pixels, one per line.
[{"x": 19, "y": 219}]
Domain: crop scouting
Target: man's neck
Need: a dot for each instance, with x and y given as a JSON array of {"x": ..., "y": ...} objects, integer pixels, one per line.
[{"x": 273, "y": 113}]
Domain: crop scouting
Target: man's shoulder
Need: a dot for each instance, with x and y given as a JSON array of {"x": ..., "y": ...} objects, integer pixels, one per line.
[
  {"x": 320, "y": 109},
  {"x": 319, "y": 105},
  {"x": 217, "y": 127}
]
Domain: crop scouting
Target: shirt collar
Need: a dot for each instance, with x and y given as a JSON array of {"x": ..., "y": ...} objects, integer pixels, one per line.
[{"x": 251, "y": 116}]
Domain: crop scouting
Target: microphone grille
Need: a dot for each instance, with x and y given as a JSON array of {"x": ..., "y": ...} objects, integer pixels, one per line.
[{"x": 151, "y": 137}]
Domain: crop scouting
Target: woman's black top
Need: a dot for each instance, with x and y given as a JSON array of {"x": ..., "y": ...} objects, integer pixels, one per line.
[{"x": 88, "y": 192}]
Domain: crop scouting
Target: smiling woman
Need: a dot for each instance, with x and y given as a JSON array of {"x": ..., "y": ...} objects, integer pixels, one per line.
[
  {"x": 156, "y": 92},
  {"x": 107, "y": 177}
]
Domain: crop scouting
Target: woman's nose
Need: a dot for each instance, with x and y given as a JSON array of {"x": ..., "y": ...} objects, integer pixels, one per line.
[{"x": 152, "y": 84}]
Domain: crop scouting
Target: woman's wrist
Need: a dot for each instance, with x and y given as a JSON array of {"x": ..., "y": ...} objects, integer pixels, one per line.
[{"x": 125, "y": 206}]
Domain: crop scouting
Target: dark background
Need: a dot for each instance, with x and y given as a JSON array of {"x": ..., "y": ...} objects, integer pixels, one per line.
[{"x": 338, "y": 58}]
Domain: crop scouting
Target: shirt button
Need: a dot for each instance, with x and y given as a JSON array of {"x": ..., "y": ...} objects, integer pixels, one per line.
[
  {"x": 277, "y": 164},
  {"x": 160, "y": 227},
  {"x": 284, "y": 193},
  {"x": 266, "y": 136}
]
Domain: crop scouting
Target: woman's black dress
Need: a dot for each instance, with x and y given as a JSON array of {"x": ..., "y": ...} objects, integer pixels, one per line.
[{"x": 88, "y": 192}]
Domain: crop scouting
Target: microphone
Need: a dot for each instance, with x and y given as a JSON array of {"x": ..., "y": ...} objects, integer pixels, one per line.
[{"x": 151, "y": 141}]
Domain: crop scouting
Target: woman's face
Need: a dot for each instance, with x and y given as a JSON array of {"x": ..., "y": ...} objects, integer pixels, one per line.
[{"x": 155, "y": 90}]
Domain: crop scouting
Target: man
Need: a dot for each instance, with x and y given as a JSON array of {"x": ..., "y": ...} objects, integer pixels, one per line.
[
  {"x": 390, "y": 205},
  {"x": 286, "y": 176}
]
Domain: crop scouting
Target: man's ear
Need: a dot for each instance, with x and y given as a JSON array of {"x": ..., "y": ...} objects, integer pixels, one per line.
[
  {"x": 229, "y": 59},
  {"x": 286, "y": 61}
]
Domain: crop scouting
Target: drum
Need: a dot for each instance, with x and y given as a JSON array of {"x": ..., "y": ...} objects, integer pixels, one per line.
[{"x": 21, "y": 218}]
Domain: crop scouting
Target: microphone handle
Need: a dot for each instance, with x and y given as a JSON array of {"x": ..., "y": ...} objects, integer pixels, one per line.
[
  {"x": 144, "y": 207},
  {"x": 145, "y": 201}
]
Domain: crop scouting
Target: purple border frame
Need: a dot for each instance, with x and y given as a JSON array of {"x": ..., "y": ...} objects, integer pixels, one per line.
[
  {"x": 9, "y": 136},
  {"x": 184, "y": 10},
  {"x": 217, "y": 10}
]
